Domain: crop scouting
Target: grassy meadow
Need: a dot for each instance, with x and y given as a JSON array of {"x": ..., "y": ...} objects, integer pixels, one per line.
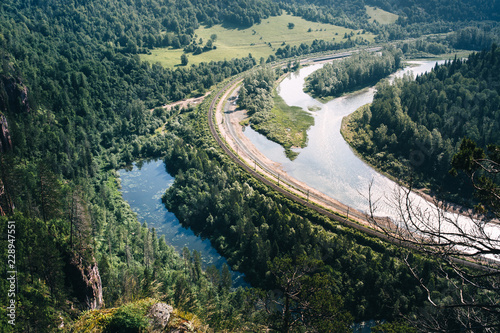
[
  {"x": 380, "y": 15},
  {"x": 261, "y": 40},
  {"x": 287, "y": 126}
]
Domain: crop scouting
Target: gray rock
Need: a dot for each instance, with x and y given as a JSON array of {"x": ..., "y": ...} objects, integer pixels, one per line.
[{"x": 160, "y": 315}]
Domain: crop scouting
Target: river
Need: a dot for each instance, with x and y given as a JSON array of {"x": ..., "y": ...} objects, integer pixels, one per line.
[
  {"x": 142, "y": 187},
  {"x": 329, "y": 165}
]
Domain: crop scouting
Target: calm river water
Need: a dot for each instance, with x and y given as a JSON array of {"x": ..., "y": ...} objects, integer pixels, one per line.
[
  {"x": 327, "y": 163},
  {"x": 330, "y": 166},
  {"x": 142, "y": 187}
]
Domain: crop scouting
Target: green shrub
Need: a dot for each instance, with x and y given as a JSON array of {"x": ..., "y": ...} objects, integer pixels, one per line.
[{"x": 128, "y": 319}]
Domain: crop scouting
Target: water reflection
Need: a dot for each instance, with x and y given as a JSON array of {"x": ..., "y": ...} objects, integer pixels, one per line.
[
  {"x": 142, "y": 186},
  {"x": 327, "y": 163}
]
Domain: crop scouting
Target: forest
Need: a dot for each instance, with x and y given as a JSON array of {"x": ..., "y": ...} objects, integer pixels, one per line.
[
  {"x": 77, "y": 104},
  {"x": 255, "y": 94},
  {"x": 418, "y": 124}
]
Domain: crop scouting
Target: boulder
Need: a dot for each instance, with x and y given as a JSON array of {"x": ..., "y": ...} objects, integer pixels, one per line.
[{"x": 160, "y": 315}]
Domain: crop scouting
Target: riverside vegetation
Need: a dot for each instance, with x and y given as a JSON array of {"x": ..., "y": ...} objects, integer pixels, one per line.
[
  {"x": 269, "y": 115},
  {"x": 354, "y": 73},
  {"x": 76, "y": 103},
  {"x": 420, "y": 123}
]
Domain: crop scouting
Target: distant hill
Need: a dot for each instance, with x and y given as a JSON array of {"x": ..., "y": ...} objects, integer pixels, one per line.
[{"x": 413, "y": 11}]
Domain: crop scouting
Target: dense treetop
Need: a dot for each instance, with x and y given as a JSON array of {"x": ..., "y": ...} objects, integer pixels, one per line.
[
  {"x": 354, "y": 73},
  {"x": 77, "y": 104},
  {"x": 448, "y": 10}
]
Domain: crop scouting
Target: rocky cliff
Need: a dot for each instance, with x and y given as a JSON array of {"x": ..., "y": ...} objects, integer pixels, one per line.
[
  {"x": 13, "y": 95},
  {"x": 13, "y": 100},
  {"x": 5, "y": 141},
  {"x": 84, "y": 276},
  {"x": 145, "y": 315}
]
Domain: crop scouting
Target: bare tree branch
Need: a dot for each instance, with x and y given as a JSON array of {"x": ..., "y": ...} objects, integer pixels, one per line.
[{"x": 433, "y": 229}]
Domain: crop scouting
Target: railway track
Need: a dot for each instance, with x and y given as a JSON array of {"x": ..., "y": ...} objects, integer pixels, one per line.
[
  {"x": 268, "y": 180},
  {"x": 294, "y": 191}
]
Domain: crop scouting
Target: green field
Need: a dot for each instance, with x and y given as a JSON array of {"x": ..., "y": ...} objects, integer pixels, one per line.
[
  {"x": 287, "y": 126},
  {"x": 380, "y": 15},
  {"x": 238, "y": 43}
]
